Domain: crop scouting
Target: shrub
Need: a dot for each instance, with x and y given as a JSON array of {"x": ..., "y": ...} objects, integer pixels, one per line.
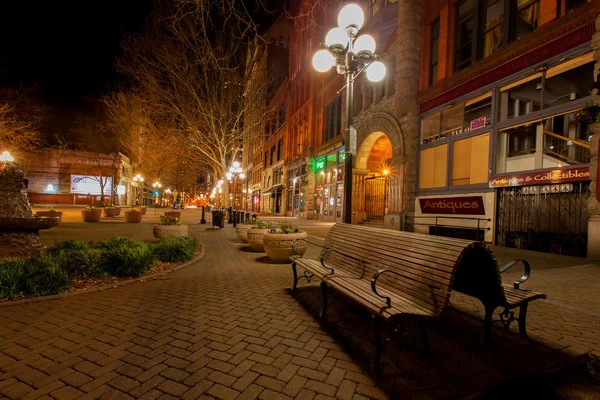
[
  {"x": 175, "y": 249},
  {"x": 130, "y": 258},
  {"x": 11, "y": 277},
  {"x": 115, "y": 241},
  {"x": 260, "y": 224},
  {"x": 70, "y": 245},
  {"x": 169, "y": 221},
  {"x": 84, "y": 263},
  {"x": 46, "y": 275}
]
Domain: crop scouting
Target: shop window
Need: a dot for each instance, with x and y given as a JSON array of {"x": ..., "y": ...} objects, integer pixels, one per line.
[
  {"x": 434, "y": 51},
  {"x": 470, "y": 159},
  {"x": 430, "y": 128},
  {"x": 452, "y": 120},
  {"x": 432, "y": 167},
  {"x": 565, "y": 142},
  {"x": 280, "y": 149},
  {"x": 333, "y": 119},
  {"x": 465, "y": 24},
  {"x": 520, "y": 98},
  {"x": 374, "y": 7},
  {"x": 569, "y": 81},
  {"x": 478, "y": 112},
  {"x": 493, "y": 27},
  {"x": 575, "y": 4},
  {"x": 527, "y": 18}
]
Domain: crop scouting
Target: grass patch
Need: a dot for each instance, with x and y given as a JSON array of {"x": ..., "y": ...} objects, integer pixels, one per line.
[
  {"x": 46, "y": 275},
  {"x": 128, "y": 259},
  {"x": 177, "y": 249},
  {"x": 12, "y": 273}
]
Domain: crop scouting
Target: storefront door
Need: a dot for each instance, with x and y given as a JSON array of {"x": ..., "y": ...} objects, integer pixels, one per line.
[
  {"x": 375, "y": 197},
  {"x": 339, "y": 214}
]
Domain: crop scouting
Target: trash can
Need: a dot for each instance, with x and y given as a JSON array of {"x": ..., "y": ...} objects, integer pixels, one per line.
[
  {"x": 240, "y": 216},
  {"x": 218, "y": 218}
]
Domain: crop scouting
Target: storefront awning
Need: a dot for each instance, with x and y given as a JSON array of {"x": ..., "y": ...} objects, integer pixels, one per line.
[{"x": 273, "y": 189}]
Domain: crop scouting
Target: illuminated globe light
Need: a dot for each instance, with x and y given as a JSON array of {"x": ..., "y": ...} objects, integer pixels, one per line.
[
  {"x": 376, "y": 71},
  {"x": 323, "y": 60},
  {"x": 351, "y": 15},
  {"x": 336, "y": 39},
  {"x": 236, "y": 164},
  {"x": 242, "y": 176},
  {"x": 364, "y": 44},
  {"x": 6, "y": 157}
]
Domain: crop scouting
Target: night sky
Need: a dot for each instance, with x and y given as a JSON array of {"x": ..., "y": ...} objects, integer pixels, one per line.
[{"x": 68, "y": 48}]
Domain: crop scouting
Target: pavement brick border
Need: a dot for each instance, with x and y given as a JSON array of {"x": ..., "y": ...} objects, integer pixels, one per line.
[{"x": 106, "y": 287}]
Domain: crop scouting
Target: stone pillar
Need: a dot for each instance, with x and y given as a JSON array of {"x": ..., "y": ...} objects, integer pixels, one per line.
[
  {"x": 408, "y": 45},
  {"x": 593, "y": 204}
]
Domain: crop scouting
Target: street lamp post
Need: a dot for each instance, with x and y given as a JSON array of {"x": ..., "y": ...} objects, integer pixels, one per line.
[
  {"x": 157, "y": 186},
  {"x": 234, "y": 172},
  {"x": 138, "y": 178},
  {"x": 350, "y": 55}
]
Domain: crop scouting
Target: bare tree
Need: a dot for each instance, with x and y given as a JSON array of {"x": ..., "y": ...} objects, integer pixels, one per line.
[
  {"x": 193, "y": 67},
  {"x": 20, "y": 119}
]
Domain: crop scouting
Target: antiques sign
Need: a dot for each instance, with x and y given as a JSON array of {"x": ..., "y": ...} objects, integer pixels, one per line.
[
  {"x": 542, "y": 178},
  {"x": 472, "y": 205}
]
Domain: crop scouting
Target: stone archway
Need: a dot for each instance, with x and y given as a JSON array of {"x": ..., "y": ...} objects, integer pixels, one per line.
[{"x": 378, "y": 168}]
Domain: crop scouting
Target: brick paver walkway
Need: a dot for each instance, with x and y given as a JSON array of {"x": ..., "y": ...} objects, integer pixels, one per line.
[
  {"x": 223, "y": 328},
  {"x": 227, "y": 328}
]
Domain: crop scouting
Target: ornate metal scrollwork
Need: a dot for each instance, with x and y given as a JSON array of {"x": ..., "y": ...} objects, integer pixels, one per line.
[{"x": 507, "y": 317}]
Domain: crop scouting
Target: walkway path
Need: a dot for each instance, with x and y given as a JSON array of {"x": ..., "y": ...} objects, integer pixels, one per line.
[
  {"x": 224, "y": 328},
  {"x": 227, "y": 328}
]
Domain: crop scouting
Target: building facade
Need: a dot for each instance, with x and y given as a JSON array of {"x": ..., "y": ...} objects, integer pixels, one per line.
[{"x": 503, "y": 153}]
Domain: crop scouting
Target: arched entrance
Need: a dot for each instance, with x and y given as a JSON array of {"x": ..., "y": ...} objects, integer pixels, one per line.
[{"x": 378, "y": 168}]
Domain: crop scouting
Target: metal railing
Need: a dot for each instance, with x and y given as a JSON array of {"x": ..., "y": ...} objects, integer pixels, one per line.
[
  {"x": 571, "y": 151},
  {"x": 436, "y": 225}
]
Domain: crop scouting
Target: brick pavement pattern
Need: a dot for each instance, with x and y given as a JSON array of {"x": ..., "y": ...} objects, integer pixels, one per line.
[
  {"x": 226, "y": 327},
  {"x": 223, "y": 328}
]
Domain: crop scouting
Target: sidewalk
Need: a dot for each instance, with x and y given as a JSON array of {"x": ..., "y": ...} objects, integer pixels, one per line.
[{"x": 227, "y": 328}]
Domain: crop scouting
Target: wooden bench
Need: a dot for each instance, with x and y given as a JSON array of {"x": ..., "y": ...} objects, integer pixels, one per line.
[{"x": 397, "y": 275}]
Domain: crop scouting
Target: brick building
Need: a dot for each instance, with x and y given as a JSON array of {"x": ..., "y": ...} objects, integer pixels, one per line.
[
  {"x": 502, "y": 156},
  {"x": 73, "y": 177}
]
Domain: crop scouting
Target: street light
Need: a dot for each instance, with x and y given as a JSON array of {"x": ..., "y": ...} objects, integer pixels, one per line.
[
  {"x": 156, "y": 185},
  {"x": 234, "y": 171},
  {"x": 350, "y": 55},
  {"x": 137, "y": 178}
]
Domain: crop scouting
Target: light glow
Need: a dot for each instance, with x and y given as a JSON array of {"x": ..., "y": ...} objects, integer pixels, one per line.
[
  {"x": 376, "y": 71},
  {"x": 323, "y": 60},
  {"x": 351, "y": 15}
]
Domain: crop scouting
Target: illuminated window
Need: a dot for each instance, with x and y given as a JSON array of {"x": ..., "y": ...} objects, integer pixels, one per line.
[
  {"x": 470, "y": 159},
  {"x": 432, "y": 167}
]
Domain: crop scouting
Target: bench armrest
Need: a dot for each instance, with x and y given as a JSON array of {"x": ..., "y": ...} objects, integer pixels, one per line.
[
  {"x": 526, "y": 273},
  {"x": 323, "y": 254},
  {"x": 388, "y": 301}
]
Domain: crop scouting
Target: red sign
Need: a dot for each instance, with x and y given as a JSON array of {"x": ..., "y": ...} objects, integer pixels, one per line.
[
  {"x": 542, "y": 178},
  {"x": 472, "y": 205},
  {"x": 477, "y": 123},
  {"x": 538, "y": 55}
]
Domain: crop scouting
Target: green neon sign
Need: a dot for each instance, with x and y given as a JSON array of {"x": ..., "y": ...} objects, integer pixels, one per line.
[{"x": 320, "y": 164}]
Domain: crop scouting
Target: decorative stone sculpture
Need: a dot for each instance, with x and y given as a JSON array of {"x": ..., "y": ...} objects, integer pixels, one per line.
[{"x": 18, "y": 226}]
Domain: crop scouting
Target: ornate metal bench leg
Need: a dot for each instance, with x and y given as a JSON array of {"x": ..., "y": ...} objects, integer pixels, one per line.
[
  {"x": 378, "y": 344},
  {"x": 324, "y": 293},
  {"x": 295, "y": 276},
  {"x": 523, "y": 319}
]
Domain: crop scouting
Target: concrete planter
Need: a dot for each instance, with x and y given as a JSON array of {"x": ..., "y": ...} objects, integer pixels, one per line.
[
  {"x": 50, "y": 214},
  {"x": 144, "y": 209},
  {"x": 279, "y": 245},
  {"x": 255, "y": 239},
  {"x": 173, "y": 214},
  {"x": 161, "y": 231},
  {"x": 242, "y": 232},
  {"x": 133, "y": 216},
  {"x": 117, "y": 211},
  {"x": 91, "y": 216},
  {"x": 110, "y": 212}
]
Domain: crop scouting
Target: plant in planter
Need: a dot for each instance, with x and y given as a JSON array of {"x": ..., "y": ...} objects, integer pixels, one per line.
[
  {"x": 169, "y": 227},
  {"x": 256, "y": 233},
  {"x": 109, "y": 211},
  {"x": 50, "y": 212},
  {"x": 91, "y": 214},
  {"x": 242, "y": 230},
  {"x": 280, "y": 244},
  {"x": 173, "y": 214},
  {"x": 134, "y": 215}
]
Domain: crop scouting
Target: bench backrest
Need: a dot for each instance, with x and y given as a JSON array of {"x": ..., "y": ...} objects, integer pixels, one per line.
[{"x": 426, "y": 265}]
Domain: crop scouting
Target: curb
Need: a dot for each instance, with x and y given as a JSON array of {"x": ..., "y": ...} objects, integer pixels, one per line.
[{"x": 106, "y": 287}]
